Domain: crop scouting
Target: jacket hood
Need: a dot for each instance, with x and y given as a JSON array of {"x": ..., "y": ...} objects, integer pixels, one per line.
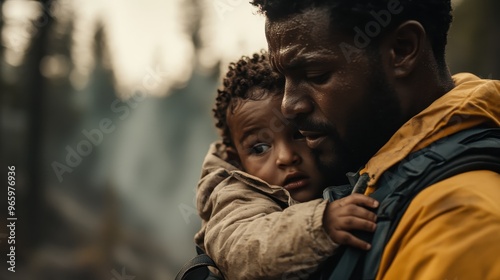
[
  {"x": 472, "y": 102},
  {"x": 219, "y": 173}
]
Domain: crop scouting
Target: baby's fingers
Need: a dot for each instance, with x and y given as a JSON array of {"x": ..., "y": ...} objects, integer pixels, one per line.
[
  {"x": 350, "y": 223},
  {"x": 351, "y": 210},
  {"x": 349, "y": 239},
  {"x": 358, "y": 199}
]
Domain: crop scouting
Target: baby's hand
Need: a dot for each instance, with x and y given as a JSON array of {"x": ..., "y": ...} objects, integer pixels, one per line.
[{"x": 343, "y": 216}]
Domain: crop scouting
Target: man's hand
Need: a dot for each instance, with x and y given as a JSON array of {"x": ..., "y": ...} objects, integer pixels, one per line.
[{"x": 343, "y": 216}]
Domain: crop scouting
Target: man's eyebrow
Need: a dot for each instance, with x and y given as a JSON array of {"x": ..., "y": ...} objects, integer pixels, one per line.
[
  {"x": 300, "y": 61},
  {"x": 297, "y": 62},
  {"x": 294, "y": 62},
  {"x": 291, "y": 65}
]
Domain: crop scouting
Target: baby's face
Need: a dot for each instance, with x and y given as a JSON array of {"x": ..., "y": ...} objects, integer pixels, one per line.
[{"x": 270, "y": 148}]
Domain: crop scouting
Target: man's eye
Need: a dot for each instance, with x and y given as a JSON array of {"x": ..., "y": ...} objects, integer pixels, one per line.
[
  {"x": 318, "y": 79},
  {"x": 298, "y": 136},
  {"x": 259, "y": 148}
]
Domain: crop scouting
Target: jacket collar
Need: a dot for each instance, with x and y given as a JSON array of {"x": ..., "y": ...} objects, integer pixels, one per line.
[{"x": 467, "y": 105}]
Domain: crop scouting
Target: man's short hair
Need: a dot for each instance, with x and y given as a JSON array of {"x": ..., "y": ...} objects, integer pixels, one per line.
[{"x": 434, "y": 15}]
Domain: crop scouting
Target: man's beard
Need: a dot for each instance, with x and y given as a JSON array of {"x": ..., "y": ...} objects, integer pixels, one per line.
[{"x": 367, "y": 132}]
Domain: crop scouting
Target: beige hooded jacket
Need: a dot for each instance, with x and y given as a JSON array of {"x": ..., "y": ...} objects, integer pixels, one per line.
[{"x": 254, "y": 230}]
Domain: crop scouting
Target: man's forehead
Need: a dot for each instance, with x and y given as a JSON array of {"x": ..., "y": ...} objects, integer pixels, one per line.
[
  {"x": 311, "y": 19},
  {"x": 299, "y": 34}
]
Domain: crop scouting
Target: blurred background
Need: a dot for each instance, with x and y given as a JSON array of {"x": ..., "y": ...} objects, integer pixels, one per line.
[{"x": 106, "y": 116}]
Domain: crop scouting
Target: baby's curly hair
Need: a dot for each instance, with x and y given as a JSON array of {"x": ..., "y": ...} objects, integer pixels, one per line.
[{"x": 248, "y": 73}]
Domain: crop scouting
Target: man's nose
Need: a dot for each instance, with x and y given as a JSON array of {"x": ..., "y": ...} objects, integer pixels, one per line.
[{"x": 295, "y": 102}]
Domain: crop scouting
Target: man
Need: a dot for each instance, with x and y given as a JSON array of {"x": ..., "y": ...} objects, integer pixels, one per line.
[{"x": 367, "y": 84}]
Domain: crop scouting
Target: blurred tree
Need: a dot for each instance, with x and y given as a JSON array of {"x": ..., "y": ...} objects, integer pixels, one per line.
[
  {"x": 79, "y": 216},
  {"x": 474, "y": 40},
  {"x": 194, "y": 12},
  {"x": 1, "y": 31},
  {"x": 37, "y": 91}
]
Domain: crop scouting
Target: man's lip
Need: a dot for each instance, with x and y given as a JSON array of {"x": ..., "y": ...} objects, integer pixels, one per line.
[
  {"x": 313, "y": 138},
  {"x": 313, "y": 143}
]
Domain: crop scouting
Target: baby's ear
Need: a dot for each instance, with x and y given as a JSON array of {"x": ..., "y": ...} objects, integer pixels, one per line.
[{"x": 233, "y": 158}]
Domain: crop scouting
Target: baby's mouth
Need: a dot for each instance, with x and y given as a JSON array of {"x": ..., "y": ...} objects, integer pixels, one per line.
[{"x": 296, "y": 181}]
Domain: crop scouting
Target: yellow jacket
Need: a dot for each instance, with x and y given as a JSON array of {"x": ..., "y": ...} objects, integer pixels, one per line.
[{"x": 451, "y": 230}]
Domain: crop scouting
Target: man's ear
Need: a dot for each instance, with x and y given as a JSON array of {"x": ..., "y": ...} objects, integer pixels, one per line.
[
  {"x": 233, "y": 158},
  {"x": 406, "y": 44}
]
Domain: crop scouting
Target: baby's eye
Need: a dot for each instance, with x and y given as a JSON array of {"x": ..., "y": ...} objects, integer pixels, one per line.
[{"x": 260, "y": 148}]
